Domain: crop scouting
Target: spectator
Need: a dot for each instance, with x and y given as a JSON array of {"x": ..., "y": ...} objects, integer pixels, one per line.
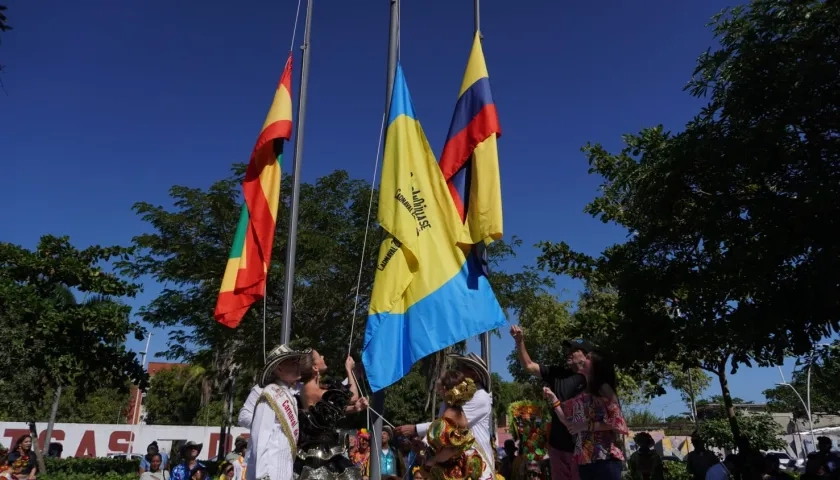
[
  {"x": 699, "y": 460},
  {"x": 774, "y": 471},
  {"x": 645, "y": 463},
  {"x": 226, "y": 471},
  {"x": 595, "y": 420},
  {"x": 409, "y": 448},
  {"x": 829, "y": 458},
  {"x": 815, "y": 468},
  {"x": 198, "y": 472},
  {"x": 506, "y": 468},
  {"x": 22, "y": 459},
  {"x": 237, "y": 457},
  {"x": 566, "y": 383},
  {"x": 155, "y": 469},
  {"x": 188, "y": 467},
  {"x": 5, "y": 470},
  {"x": 146, "y": 460},
  {"x": 55, "y": 450},
  {"x": 723, "y": 470}
]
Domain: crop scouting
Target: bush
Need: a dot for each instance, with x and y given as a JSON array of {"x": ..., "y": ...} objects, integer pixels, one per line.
[
  {"x": 91, "y": 466},
  {"x": 676, "y": 471},
  {"x": 88, "y": 476}
]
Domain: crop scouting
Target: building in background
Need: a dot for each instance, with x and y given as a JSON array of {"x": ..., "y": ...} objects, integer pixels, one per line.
[{"x": 136, "y": 405}]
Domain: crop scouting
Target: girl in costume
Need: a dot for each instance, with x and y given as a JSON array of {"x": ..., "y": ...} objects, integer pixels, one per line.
[
  {"x": 322, "y": 406},
  {"x": 450, "y": 455}
]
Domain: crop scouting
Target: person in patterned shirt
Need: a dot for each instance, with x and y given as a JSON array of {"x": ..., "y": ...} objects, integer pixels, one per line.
[
  {"x": 595, "y": 419},
  {"x": 189, "y": 454}
]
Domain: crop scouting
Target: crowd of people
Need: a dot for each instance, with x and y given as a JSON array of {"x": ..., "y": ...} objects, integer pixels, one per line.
[{"x": 294, "y": 418}]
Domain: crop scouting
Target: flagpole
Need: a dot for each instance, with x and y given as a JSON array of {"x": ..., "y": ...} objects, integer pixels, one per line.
[
  {"x": 291, "y": 244},
  {"x": 485, "y": 337},
  {"x": 378, "y": 402}
]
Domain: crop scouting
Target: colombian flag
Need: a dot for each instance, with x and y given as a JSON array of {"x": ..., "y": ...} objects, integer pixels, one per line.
[
  {"x": 250, "y": 256},
  {"x": 470, "y": 158},
  {"x": 427, "y": 293}
]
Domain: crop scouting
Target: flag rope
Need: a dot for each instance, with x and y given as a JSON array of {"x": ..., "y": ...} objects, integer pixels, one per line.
[
  {"x": 294, "y": 29},
  {"x": 367, "y": 230}
]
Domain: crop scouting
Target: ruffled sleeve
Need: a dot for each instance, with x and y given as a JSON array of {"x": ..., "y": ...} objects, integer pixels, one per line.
[{"x": 614, "y": 418}]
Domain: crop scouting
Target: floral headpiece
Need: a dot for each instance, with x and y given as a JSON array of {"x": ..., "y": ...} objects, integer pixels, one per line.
[
  {"x": 363, "y": 433},
  {"x": 460, "y": 394}
]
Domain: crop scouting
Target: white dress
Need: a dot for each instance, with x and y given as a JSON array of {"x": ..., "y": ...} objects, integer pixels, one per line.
[
  {"x": 478, "y": 412},
  {"x": 269, "y": 451}
]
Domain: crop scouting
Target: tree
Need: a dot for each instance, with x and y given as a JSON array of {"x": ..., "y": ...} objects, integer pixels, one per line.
[
  {"x": 641, "y": 418},
  {"x": 691, "y": 383},
  {"x": 91, "y": 353},
  {"x": 169, "y": 402},
  {"x": 505, "y": 393},
  {"x": 760, "y": 429},
  {"x": 104, "y": 405},
  {"x": 405, "y": 403},
  {"x": 728, "y": 253},
  {"x": 188, "y": 249}
]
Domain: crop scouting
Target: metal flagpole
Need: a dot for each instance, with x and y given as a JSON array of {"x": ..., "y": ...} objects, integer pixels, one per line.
[
  {"x": 378, "y": 402},
  {"x": 291, "y": 244},
  {"x": 485, "y": 337}
]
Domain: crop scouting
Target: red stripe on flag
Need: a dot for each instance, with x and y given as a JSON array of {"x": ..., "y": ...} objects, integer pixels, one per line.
[{"x": 459, "y": 148}]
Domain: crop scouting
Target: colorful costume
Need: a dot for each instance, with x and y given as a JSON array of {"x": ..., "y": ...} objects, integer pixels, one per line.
[
  {"x": 361, "y": 459},
  {"x": 529, "y": 425},
  {"x": 465, "y": 462},
  {"x": 322, "y": 451}
]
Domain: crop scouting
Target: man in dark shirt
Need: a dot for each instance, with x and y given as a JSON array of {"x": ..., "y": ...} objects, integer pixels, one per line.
[{"x": 566, "y": 383}]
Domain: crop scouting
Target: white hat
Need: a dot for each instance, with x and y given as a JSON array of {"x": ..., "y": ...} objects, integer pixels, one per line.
[
  {"x": 275, "y": 358},
  {"x": 476, "y": 364}
]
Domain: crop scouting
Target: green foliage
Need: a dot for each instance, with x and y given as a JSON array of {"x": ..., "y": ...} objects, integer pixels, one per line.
[
  {"x": 825, "y": 382},
  {"x": 676, "y": 470},
  {"x": 689, "y": 382},
  {"x": 545, "y": 321},
  {"x": 34, "y": 314},
  {"x": 405, "y": 402},
  {"x": 759, "y": 428},
  {"x": 718, "y": 401},
  {"x": 88, "y": 476},
  {"x": 92, "y": 466},
  {"x": 104, "y": 405},
  {"x": 728, "y": 249},
  {"x": 505, "y": 393},
  {"x": 188, "y": 249},
  {"x": 171, "y": 400},
  {"x": 637, "y": 417}
]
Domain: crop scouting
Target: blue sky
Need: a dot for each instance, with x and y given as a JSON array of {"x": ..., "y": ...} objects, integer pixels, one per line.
[{"x": 109, "y": 103}]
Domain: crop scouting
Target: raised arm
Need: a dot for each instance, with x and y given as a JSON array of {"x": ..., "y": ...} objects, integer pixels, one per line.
[
  {"x": 522, "y": 353},
  {"x": 349, "y": 365}
]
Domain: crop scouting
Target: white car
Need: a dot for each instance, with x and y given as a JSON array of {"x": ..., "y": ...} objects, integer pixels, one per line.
[{"x": 786, "y": 462}]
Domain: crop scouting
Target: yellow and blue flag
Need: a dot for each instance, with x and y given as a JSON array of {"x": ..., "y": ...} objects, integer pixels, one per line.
[
  {"x": 470, "y": 157},
  {"x": 428, "y": 293}
]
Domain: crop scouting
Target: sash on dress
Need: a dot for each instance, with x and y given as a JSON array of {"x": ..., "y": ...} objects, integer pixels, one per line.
[{"x": 285, "y": 409}]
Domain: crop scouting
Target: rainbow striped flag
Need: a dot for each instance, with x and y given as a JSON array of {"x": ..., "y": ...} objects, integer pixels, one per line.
[
  {"x": 470, "y": 157},
  {"x": 250, "y": 255},
  {"x": 428, "y": 293}
]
